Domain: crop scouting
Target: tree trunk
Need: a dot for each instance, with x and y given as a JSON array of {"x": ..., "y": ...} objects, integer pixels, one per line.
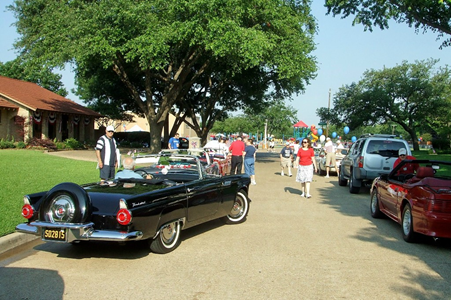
[
  {"x": 414, "y": 138},
  {"x": 155, "y": 135}
]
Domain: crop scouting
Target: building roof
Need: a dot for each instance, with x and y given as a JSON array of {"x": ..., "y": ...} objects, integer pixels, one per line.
[
  {"x": 4, "y": 103},
  {"x": 34, "y": 97}
]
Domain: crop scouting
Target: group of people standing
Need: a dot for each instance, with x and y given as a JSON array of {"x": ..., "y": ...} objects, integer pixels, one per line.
[
  {"x": 243, "y": 151},
  {"x": 302, "y": 156},
  {"x": 240, "y": 152}
]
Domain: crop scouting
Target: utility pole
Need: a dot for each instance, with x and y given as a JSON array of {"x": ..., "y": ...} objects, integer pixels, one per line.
[
  {"x": 266, "y": 128},
  {"x": 328, "y": 113}
]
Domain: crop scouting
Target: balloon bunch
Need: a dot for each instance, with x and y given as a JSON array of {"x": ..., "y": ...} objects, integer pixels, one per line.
[
  {"x": 346, "y": 131},
  {"x": 314, "y": 133}
]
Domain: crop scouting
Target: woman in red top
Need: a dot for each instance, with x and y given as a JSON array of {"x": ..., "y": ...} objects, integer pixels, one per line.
[{"x": 306, "y": 161}]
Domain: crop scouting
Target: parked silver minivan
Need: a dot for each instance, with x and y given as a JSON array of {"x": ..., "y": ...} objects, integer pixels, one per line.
[{"x": 369, "y": 157}]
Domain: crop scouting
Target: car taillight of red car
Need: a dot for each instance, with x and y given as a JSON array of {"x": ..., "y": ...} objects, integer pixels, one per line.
[{"x": 440, "y": 206}]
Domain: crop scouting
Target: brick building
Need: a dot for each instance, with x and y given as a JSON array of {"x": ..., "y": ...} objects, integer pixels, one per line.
[{"x": 30, "y": 111}]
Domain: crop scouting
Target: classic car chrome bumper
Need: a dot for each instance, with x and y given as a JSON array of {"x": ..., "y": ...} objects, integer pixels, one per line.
[{"x": 77, "y": 232}]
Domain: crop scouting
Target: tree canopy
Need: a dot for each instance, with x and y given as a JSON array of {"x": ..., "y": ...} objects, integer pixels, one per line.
[
  {"x": 153, "y": 54},
  {"x": 434, "y": 15},
  {"x": 31, "y": 72},
  {"x": 278, "y": 116},
  {"x": 414, "y": 96}
]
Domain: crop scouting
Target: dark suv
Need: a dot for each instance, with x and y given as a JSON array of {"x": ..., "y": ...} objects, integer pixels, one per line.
[{"x": 370, "y": 156}]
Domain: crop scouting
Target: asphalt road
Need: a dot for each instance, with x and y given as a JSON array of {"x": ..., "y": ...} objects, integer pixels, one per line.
[{"x": 325, "y": 247}]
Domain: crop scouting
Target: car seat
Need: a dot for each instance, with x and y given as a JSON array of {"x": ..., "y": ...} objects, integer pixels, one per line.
[{"x": 422, "y": 172}]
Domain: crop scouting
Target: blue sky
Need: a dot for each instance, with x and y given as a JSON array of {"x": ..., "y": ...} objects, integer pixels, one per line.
[{"x": 343, "y": 53}]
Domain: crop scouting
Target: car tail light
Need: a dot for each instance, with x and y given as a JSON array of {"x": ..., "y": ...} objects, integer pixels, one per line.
[
  {"x": 27, "y": 211},
  {"x": 361, "y": 162},
  {"x": 439, "y": 206},
  {"x": 123, "y": 216}
]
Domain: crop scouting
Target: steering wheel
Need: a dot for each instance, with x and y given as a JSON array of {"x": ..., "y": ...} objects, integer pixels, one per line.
[{"x": 144, "y": 174}]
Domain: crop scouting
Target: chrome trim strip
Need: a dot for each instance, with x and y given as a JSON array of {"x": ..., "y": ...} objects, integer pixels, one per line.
[
  {"x": 179, "y": 220},
  {"x": 27, "y": 228}
]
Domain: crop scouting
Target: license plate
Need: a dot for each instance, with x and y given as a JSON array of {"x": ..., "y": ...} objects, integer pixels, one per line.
[{"x": 54, "y": 234}]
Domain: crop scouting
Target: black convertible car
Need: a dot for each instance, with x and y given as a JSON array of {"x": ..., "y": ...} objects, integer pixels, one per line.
[{"x": 178, "y": 195}]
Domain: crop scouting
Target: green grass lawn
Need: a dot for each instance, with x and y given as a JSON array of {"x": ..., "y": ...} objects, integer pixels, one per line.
[
  {"x": 423, "y": 154},
  {"x": 27, "y": 171}
]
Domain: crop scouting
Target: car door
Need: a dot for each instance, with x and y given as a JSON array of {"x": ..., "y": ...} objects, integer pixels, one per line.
[
  {"x": 204, "y": 196},
  {"x": 347, "y": 161},
  {"x": 388, "y": 196}
]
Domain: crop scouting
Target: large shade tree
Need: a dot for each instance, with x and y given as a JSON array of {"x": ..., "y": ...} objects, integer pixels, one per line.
[
  {"x": 160, "y": 49},
  {"x": 414, "y": 96},
  {"x": 278, "y": 117},
  {"x": 434, "y": 15}
]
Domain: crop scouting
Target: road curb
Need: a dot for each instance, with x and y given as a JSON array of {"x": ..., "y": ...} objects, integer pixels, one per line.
[{"x": 15, "y": 239}]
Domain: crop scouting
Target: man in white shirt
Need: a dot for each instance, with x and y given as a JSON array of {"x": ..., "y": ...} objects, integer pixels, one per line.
[
  {"x": 330, "y": 155},
  {"x": 218, "y": 146}
]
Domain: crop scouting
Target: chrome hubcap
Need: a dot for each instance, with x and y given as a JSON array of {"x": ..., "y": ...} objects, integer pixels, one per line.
[
  {"x": 62, "y": 209},
  {"x": 406, "y": 222}
]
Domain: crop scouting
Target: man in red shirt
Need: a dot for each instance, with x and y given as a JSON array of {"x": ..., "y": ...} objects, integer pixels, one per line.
[
  {"x": 236, "y": 150},
  {"x": 407, "y": 168}
]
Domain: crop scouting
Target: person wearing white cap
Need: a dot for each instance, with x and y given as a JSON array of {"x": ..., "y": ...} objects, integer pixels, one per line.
[
  {"x": 106, "y": 154},
  {"x": 408, "y": 168},
  {"x": 286, "y": 154}
]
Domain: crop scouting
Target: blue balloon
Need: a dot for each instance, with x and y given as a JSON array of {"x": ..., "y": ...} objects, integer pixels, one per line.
[
  {"x": 320, "y": 131},
  {"x": 334, "y": 134},
  {"x": 346, "y": 130},
  {"x": 353, "y": 139}
]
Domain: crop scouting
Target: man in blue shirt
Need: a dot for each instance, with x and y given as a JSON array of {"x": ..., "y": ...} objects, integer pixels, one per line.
[
  {"x": 174, "y": 142},
  {"x": 129, "y": 166}
]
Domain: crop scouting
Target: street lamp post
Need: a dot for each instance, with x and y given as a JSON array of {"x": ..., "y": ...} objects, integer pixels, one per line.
[
  {"x": 266, "y": 128},
  {"x": 328, "y": 115}
]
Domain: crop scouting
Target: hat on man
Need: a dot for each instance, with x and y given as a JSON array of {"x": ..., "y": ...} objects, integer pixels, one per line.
[
  {"x": 402, "y": 151},
  {"x": 287, "y": 143},
  {"x": 328, "y": 139},
  {"x": 338, "y": 142},
  {"x": 110, "y": 128}
]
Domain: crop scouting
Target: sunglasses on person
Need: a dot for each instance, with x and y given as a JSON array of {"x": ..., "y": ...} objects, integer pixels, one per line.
[
  {"x": 304, "y": 142},
  {"x": 110, "y": 131},
  {"x": 402, "y": 155}
]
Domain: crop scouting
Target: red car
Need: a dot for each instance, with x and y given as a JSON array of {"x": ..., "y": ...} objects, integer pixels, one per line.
[{"x": 420, "y": 202}]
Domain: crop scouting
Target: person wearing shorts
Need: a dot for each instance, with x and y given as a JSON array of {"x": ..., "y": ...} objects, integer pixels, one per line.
[
  {"x": 330, "y": 156},
  {"x": 286, "y": 154},
  {"x": 106, "y": 154}
]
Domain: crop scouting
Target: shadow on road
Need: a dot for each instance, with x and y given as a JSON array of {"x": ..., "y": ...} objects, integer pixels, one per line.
[{"x": 387, "y": 234}]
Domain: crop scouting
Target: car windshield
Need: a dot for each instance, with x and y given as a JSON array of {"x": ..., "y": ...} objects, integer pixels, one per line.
[
  {"x": 386, "y": 148},
  {"x": 177, "y": 164}
]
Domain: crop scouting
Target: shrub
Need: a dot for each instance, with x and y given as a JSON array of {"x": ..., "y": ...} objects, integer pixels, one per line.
[
  {"x": 60, "y": 145},
  {"x": 36, "y": 143},
  {"x": 6, "y": 144},
  {"x": 20, "y": 145},
  {"x": 72, "y": 143},
  {"x": 440, "y": 144}
]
